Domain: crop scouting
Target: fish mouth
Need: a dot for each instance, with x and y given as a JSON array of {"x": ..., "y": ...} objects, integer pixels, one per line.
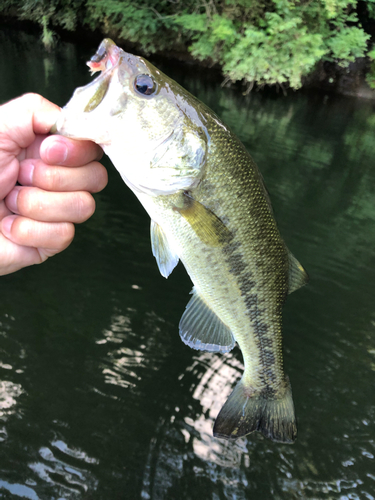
[
  {"x": 106, "y": 57},
  {"x": 106, "y": 60}
]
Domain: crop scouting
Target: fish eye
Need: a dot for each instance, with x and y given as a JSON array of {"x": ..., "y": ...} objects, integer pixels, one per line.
[{"x": 145, "y": 84}]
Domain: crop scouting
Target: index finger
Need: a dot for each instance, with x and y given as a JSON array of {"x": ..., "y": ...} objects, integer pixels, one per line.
[
  {"x": 25, "y": 117},
  {"x": 59, "y": 150}
]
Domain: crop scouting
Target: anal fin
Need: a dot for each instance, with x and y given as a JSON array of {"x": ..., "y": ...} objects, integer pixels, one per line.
[
  {"x": 165, "y": 256},
  {"x": 202, "y": 329}
]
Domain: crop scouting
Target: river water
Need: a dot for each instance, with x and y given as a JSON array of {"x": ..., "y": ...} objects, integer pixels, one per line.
[{"x": 99, "y": 398}]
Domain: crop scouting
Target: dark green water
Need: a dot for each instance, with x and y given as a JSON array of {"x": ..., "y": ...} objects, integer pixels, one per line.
[{"x": 99, "y": 398}]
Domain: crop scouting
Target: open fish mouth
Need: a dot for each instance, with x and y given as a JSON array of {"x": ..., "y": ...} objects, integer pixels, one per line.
[
  {"x": 106, "y": 57},
  {"x": 85, "y": 99}
]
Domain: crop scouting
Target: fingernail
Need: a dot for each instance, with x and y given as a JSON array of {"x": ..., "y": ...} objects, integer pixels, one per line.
[
  {"x": 6, "y": 225},
  {"x": 11, "y": 199},
  {"x": 57, "y": 153},
  {"x": 26, "y": 173}
]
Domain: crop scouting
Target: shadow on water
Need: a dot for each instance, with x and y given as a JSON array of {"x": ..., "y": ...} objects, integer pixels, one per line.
[{"x": 98, "y": 396}]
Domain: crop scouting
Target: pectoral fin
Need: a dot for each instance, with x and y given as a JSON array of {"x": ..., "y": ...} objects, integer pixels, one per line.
[
  {"x": 206, "y": 225},
  {"x": 201, "y": 329},
  {"x": 165, "y": 256}
]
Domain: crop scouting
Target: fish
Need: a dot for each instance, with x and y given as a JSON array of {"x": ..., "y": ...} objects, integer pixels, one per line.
[{"x": 209, "y": 209}]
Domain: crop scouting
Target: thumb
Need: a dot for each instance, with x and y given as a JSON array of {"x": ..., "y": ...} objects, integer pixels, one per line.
[{"x": 22, "y": 118}]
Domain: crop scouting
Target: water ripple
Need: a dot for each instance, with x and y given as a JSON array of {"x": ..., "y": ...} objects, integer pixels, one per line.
[{"x": 58, "y": 467}]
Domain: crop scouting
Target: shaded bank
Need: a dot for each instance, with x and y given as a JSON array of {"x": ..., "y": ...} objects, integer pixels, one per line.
[{"x": 274, "y": 42}]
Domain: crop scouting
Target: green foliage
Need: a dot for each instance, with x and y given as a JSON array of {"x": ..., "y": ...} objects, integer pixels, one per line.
[
  {"x": 140, "y": 23},
  {"x": 370, "y": 4},
  {"x": 283, "y": 44},
  {"x": 48, "y": 38},
  {"x": 64, "y": 13},
  {"x": 47, "y": 13},
  {"x": 370, "y": 77},
  {"x": 271, "y": 55},
  {"x": 257, "y": 41},
  {"x": 347, "y": 44},
  {"x": 208, "y": 43}
]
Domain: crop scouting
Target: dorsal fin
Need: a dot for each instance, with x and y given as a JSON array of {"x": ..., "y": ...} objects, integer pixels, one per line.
[
  {"x": 166, "y": 258},
  {"x": 297, "y": 275},
  {"x": 201, "y": 329}
]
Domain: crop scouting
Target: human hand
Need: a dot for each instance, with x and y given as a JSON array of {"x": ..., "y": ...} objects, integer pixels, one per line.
[{"x": 56, "y": 176}]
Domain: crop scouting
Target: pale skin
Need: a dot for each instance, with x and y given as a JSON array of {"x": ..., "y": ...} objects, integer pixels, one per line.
[{"x": 45, "y": 183}]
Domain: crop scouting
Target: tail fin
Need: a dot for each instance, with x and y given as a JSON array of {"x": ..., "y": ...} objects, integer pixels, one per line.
[{"x": 273, "y": 417}]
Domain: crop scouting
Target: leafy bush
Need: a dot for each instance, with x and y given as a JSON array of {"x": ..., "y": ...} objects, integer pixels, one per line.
[
  {"x": 283, "y": 44},
  {"x": 139, "y": 23}
]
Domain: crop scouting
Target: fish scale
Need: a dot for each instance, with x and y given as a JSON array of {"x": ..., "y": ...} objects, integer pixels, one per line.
[
  {"x": 249, "y": 266},
  {"x": 209, "y": 208}
]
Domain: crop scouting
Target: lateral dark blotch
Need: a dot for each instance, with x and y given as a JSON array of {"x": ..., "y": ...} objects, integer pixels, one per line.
[{"x": 269, "y": 355}]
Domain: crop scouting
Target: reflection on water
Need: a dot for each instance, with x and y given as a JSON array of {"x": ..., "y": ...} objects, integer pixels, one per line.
[
  {"x": 59, "y": 466},
  {"x": 117, "y": 369},
  {"x": 212, "y": 389},
  {"x": 128, "y": 355},
  {"x": 100, "y": 399},
  {"x": 18, "y": 490},
  {"x": 9, "y": 393},
  {"x": 212, "y": 377}
]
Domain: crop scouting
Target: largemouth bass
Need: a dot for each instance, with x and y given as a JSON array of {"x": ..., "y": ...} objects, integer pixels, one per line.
[{"x": 209, "y": 208}]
